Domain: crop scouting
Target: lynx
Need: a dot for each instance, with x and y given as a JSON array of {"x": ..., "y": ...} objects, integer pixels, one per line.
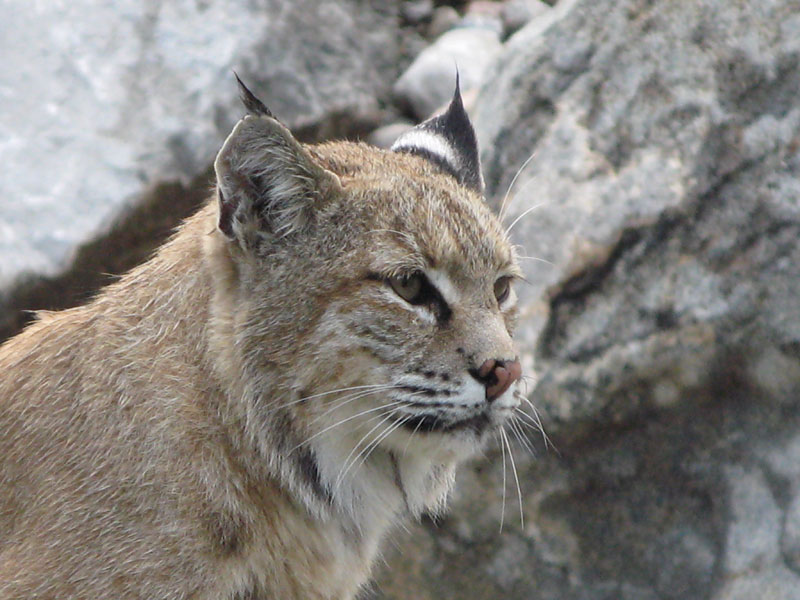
[{"x": 297, "y": 371}]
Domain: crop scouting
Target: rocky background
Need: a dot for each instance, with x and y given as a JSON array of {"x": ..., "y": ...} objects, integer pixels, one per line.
[{"x": 645, "y": 155}]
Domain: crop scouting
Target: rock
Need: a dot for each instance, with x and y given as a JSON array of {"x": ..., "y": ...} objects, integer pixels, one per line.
[
  {"x": 753, "y": 538},
  {"x": 444, "y": 18},
  {"x": 417, "y": 11},
  {"x": 791, "y": 534},
  {"x": 653, "y": 178},
  {"x": 485, "y": 7},
  {"x": 385, "y": 136},
  {"x": 656, "y": 146},
  {"x": 484, "y": 14},
  {"x": 100, "y": 100},
  {"x": 673, "y": 508},
  {"x": 429, "y": 82},
  {"x": 516, "y": 14},
  {"x": 775, "y": 584}
]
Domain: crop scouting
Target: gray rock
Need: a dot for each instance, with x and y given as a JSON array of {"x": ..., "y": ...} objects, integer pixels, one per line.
[
  {"x": 662, "y": 188},
  {"x": 429, "y": 82},
  {"x": 754, "y": 534},
  {"x": 657, "y": 155},
  {"x": 444, "y": 18},
  {"x": 791, "y": 534},
  {"x": 385, "y": 136},
  {"x": 518, "y": 13},
  {"x": 775, "y": 584},
  {"x": 417, "y": 11},
  {"x": 782, "y": 465},
  {"x": 484, "y": 14},
  {"x": 101, "y": 99},
  {"x": 673, "y": 508},
  {"x": 656, "y": 146}
]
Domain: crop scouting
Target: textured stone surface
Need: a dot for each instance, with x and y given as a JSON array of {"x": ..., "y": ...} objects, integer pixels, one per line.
[
  {"x": 384, "y": 137},
  {"x": 518, "y": 13},
  {"x": 444, "y": 18},
  {"x": 661, "y": 315},
  {"x": 428, "y": 83},
  {"x": 100, "y": 99},
  {"x": 679, "y": 505},
  {"x": 663, "y": 311},
  {"x": 665, "y": 166}
]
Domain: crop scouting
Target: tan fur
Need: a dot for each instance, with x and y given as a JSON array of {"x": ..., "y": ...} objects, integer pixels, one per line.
[{"x": 150, "y": 441}]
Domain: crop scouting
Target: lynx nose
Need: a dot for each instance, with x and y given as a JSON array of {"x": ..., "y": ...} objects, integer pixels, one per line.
[{"x": 497, "y": 376}]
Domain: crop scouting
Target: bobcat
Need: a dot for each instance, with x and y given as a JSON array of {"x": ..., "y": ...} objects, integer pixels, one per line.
[{"x": 298, "y": 370}]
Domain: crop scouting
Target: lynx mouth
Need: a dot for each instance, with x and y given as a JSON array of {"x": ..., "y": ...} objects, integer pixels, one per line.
[{"x": 428, "y": 423}]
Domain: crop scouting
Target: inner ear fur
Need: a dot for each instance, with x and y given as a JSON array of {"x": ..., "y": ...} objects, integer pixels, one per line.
[{"x": 267, "y": 183}]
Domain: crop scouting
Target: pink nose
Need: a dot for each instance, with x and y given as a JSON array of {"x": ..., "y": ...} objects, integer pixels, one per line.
[{"x": 497, "y": 376}]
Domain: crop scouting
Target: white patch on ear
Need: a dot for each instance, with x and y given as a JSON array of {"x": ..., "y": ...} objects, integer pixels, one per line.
[{"x": 428, "y": 141}]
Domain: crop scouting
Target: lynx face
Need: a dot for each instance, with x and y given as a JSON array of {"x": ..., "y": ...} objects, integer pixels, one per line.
[
  {"x": 248, "y": 413},
  {"x": 375, "y": 287},
  {"x": 429, "y": 321}
]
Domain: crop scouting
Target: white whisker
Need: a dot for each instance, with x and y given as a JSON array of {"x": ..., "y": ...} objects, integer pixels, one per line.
[
  {"x": 521, "y": 437},
  {"x": 517, "y": 220},
  {"x": 503, "y": 504},
  {"x": 376, "y": 442},
  {"x": 500, "y": 214},
  {"x": 516, "y": 478},
  {"x": 343, "y": 421},
  {"x": 537, "y": 420},
  {"x": 346, "y": 463},
  {"x": 389, "y": 430},
  {"x": 405, "y": 448},
  {"x": 328, "y": 393},
  {"x": 542, "y": 260},
  {"x": 339, "y": 402}
]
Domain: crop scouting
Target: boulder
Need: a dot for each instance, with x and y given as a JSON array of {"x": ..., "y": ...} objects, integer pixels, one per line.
[
  {"x": 385, "y": 136},
  {"x": 518, "y": 13},
  {"x": 102, "y": 101},
  {"x": 444, "y": 18},
  {"x": 645, "y": 156},
  {"x": 428, "y": 83}
]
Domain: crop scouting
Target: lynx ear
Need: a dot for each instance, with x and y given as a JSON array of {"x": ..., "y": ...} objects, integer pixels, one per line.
[
  {"x": 267, "y": 182},
  {"x": 447, "y": 140}
]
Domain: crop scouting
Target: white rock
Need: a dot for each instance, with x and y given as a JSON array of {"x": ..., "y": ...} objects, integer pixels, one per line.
[
  {"x": 518, "y": 13},
  {"x": 417, "y": 11},
  {"x": 100, "y": 98},
  {"x": 385, "y": 136},
  {"x": 429, "y": 81},
  {"x": 444, "y": 18}
]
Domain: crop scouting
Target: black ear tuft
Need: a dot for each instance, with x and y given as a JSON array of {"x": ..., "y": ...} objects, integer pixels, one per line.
[
  {"x": 253, "y": 105},
  {"x": 449, "y": 141}
]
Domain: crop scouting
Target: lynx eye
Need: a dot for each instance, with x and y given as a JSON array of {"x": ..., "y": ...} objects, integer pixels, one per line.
[
  {"x": 408, "y": 287},
  {"x": 502, "y": 287}
]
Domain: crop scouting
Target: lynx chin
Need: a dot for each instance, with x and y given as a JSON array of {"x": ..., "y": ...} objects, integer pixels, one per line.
[{"x": 299, "y": 370}]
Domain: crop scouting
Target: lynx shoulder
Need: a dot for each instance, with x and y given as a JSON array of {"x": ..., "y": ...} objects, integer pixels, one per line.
[{"x": 297, "y": 371}]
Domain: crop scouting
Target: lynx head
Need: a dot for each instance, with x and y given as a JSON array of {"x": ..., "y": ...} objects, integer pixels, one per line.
[{"x": 370, "y": 293}]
